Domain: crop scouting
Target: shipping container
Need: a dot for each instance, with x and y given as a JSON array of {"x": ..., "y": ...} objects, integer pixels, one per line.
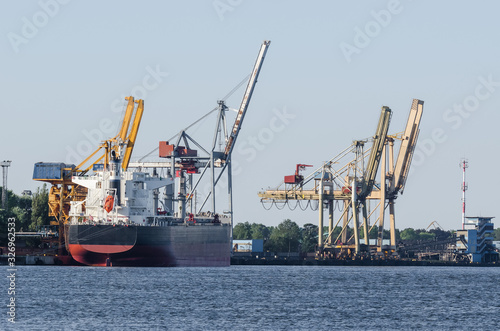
[{"x": 249, "y": 245}]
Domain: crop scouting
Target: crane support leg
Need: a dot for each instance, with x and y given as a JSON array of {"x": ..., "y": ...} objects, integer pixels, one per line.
[
  {"x": 230, "y": 198},
  {"x": 320, "y": 209},
  {"x": 365, "y": 228},
  {"x": 61, "y": 219},
  {"x": 355, "y": 223},
  {"x": 330, "y": 220},
  {"x": 345, "y": 221},
  {"x": 382, "y": 200},
  {"x": 393, "y": 224}
]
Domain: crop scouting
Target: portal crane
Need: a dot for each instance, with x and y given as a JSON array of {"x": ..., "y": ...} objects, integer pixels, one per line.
[
  {"x": 397, "y": 174},
  {"x": 355, "y": 185},
  {"x": 354, "y": 191},
  {"x": 186, "y": 161},
  {"x": 369, "y": 178}
]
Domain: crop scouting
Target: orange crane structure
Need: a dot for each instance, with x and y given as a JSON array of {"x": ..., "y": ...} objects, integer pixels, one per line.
[
  {"x": 353, "y": 185},
  {"x": 60, "y": 175}
]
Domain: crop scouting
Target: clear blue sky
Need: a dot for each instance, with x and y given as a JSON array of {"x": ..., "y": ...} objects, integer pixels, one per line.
[{"x": 331, "y": 66}]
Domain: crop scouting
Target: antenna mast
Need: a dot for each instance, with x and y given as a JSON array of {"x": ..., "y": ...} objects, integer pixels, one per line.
[{"x": 464, "y": 164}]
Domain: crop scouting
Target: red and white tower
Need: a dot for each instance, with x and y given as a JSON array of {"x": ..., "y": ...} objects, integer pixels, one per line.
[{"x": 464, "y": 164}]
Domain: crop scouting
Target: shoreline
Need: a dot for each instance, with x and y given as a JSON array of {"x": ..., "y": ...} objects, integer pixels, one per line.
[{"x": 34, "y": 260}]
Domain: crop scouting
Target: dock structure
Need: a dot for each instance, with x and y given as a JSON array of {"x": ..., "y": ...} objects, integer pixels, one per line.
[
  {"x": 350, "y": 184},
  {"x": 478, "y": 244}
]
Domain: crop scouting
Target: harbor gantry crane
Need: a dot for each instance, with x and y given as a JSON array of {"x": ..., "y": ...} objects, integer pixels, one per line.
[
  {"x": 394, "y": 176},
  {"x": 60, "y": 175},
  {"x": 183, "y": 161},
  {"x": 353, "y": 185}
]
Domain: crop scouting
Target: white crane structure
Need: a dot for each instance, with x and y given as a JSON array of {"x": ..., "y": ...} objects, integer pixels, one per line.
[
  {"x": 349, "y": 186},
  {"x": 183, "y": 161}
]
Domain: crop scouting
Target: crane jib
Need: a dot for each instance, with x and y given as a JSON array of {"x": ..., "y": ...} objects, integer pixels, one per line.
[{"x": 246, "y": 98}]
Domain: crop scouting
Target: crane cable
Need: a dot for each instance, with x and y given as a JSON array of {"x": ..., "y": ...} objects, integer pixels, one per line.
[
  {"x": 264, "y": 205},
  {"x": 200, "y": 119},
  {"x": 290, "y": 207}
]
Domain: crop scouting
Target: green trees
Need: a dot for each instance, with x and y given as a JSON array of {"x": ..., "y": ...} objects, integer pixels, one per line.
[
  {"x": 408, "y": 234},
  {"x": 30, "y": 212},
  {"x": 40, "y": 208},
  {"x": 309, "y": 237},
  {"x": 289, "y": 237},
  {"x": 420, "y": 234},
  {"x": 242, "y": 231},
  {"x": 286, "y": 237},
  {"x": 260, "y": 231},
  {"x": 496, "y": 234}
]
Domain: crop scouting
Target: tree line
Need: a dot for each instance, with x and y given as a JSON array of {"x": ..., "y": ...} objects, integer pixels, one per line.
[
  {"x": 30, "y": 212},
  {"x": 289, "y": 237}
]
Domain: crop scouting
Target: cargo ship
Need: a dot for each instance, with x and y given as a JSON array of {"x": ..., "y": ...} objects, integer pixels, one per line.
[
  {"x": 120, "y": 224},
  {"x": 115, "y": 213}
]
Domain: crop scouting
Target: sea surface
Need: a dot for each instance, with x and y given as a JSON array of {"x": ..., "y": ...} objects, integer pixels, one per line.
[{"x": 254, "y": 298}]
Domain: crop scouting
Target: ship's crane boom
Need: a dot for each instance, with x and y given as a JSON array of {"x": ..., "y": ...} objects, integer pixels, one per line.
[
  {"x": 408, "y": 143},
  {"x": 133, "y": 133},
  {"x": 63, "y": 190},
  {"x": 59, "y": 175},
  {"x": 127, "y": 118},
  {"x": 124, "y": 141},
  {"x": 376, "y": 151},
  {"x": 246, "y": 99}
]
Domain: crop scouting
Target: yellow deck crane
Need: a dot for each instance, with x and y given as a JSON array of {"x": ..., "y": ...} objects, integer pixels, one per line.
[{"x": 59, "y": 175}]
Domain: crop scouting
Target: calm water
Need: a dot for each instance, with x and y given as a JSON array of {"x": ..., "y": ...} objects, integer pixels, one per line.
[{"x": 255, "y": 298}]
